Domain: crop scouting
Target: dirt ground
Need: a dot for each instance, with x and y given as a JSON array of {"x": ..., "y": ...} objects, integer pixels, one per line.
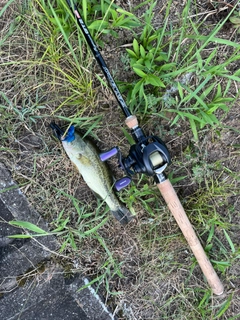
[{"x": 152, "y": 257}]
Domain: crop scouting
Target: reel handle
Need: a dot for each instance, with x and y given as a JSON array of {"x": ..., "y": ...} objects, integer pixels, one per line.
[
  {"x": 108, "y": 154},
  {"x": 175, "y": 206},
  {"x": 104, "y": 156},
  {"x": 122, "y": 183}
]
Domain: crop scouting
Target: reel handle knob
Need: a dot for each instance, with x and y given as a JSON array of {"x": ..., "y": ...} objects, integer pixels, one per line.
[
  {"x": 108, "y": 154},
  {"x": 122, "y": 183}
]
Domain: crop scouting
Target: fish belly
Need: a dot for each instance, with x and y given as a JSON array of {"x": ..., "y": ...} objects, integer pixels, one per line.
[{"x": 94, "y": 178}]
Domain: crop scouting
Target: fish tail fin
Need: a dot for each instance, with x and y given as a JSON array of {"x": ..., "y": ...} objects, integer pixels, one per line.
[{"x": 123, "y": 215}]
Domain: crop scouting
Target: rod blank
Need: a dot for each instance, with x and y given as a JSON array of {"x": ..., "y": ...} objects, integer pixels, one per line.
[{"x": 99, "y": 59}]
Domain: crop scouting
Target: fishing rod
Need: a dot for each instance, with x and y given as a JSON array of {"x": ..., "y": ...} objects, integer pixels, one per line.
[
  {"x": 99, "y": 58},
  {"x": 149, "y": 155}
]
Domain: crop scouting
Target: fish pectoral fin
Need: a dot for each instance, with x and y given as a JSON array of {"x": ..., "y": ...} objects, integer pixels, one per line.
[
  {"x": 76, "y": 167},
  {"x": 84, "y": 160}
]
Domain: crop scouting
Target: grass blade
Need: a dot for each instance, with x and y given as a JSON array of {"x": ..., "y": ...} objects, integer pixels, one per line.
[
  {"x": 229, "y": 241},
  {"x": 6, "y": 6},
  {"x": 28, "y": 225},
  {"x": 224, "y": 307}
]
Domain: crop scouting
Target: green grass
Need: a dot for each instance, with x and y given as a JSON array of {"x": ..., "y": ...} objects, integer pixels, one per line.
[
  {"x": 162, "y": 58},
  {"x": 181, "y": 78}
]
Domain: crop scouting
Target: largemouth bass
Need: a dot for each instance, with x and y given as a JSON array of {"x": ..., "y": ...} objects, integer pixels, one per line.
[{"x": 95, "y": 172}]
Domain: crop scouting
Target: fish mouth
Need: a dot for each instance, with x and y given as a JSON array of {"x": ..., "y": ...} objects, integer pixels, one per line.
[
  {"x": 62, "y": 135},
  {"x": 57, "y": 130}
]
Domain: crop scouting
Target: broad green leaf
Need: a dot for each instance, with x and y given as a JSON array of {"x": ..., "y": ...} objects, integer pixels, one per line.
[
  {"x": 139, "y": 66},
  {"x": 137, "y": 87},
  {"x": 139, "y": 72},
  {"x": 208, "y": 247},
  {"x": 136, "y": 47},
  {"x": 208, "y": 118},
  {"x": 152, "y": 38},
  {"x": 142, "y": 51},
  {"x": 154, "y": 80},
  {"x": 162, "y": 57},
  {"x": 129, "y": 14},
  {"x": 167, "y": 66},
  {"x": 113, "y": 13},
  {"x": 235, "y": 20},
  {"x": 28, "y": 225},
  {"x": 128, "y": 24},
  {"x": 98, "y": 25},
  {"x": 213, "y": 109},
  {"x": 120, "y": 21},
  {"x": 131, "y": 53},
  {"x": 148, "y": 64}
]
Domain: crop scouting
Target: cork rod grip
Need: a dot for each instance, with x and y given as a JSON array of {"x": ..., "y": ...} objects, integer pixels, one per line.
[{"x": 180, "y": 216}]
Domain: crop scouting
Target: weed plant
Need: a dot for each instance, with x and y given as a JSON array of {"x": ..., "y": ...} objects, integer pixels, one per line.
[
  {"x": 179, "y": 75},
  {"x": 163, "y": 59}
]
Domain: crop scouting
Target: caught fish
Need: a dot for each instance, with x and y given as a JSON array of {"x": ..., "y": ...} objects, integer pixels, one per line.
[{"x": 95, "y": 172}]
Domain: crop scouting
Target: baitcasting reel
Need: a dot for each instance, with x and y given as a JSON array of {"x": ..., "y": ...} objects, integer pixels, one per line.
[{"x": 149, "y": 156}]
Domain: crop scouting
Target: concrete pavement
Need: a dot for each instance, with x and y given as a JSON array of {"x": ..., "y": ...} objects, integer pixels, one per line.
[{"x": 33, "y": 286}]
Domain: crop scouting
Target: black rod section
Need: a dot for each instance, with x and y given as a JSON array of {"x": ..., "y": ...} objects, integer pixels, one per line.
[{"x": 99, "y": 58}]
